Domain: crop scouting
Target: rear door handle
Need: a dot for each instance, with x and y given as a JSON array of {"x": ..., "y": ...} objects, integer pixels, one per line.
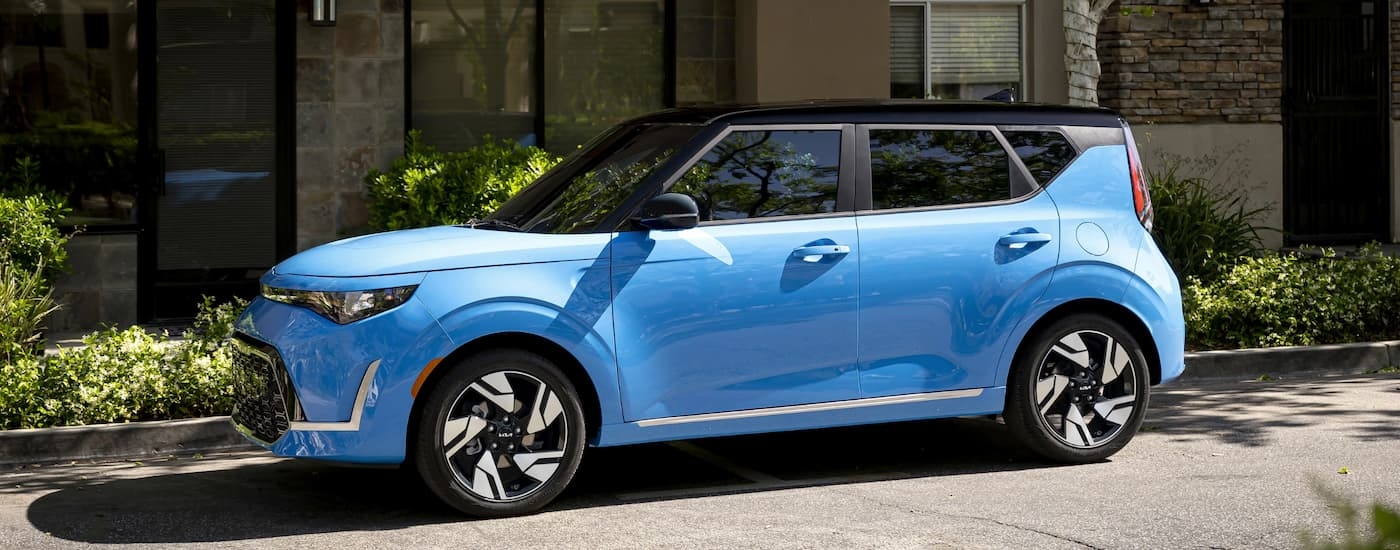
[
  {"x": 814, "y": 253},
  {"x": 1019, "y": 240}
]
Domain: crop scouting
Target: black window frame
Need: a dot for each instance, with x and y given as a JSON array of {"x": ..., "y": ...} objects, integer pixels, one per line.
[
  {"x": 847, "y": 173},
  {"x": 1020, "y": 177}
]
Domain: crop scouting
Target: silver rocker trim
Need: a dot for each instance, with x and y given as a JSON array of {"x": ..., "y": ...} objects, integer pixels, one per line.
[
  {"x": 355, "y": 413},
  {"x": 814, "y": 407}
]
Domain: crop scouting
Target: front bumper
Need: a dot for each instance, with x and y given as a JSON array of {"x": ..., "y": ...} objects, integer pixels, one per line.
[{"x": 308, "y": 387}]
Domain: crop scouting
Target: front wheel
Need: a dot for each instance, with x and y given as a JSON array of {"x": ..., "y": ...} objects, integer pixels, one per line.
[
  {"x": 502, "y": 434},
  {"x": 1079, "y": 390}
]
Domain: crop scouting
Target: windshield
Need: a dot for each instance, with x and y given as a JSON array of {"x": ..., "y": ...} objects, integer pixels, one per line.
[{"x": 591, "y": 184}]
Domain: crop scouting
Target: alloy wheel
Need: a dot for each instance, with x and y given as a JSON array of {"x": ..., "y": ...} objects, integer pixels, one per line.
[
  {"x": 505, "y": 436},
  {"x": 1086, "y": 389}
]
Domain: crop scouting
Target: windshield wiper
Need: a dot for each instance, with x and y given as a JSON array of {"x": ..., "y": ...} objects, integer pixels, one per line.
[{"x": 491, "y": 223}]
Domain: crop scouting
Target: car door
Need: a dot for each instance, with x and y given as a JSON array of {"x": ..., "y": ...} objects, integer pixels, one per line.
[
  {"x": 955, "y": 241},
  {"x": 755, "y": 307}
]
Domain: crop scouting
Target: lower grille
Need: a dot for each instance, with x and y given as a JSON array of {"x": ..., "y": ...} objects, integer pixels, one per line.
[{"x": 264, "y": 403}]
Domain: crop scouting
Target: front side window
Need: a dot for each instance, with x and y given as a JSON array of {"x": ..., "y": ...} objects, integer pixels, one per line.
[
  {"x": 923, "y": 168},
  {"x": 765, "y": 173},
  {"x": 588, "y": 186},
  {"x": 956, "y": 49}
]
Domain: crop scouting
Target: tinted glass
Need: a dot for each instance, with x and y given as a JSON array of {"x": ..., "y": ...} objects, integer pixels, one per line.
[
  {"x": 918, "y": 168},
  {"x": 579, "y": 194},
  {"x": 68, "y": 74},
  {"x": 756, "y": 174},
  {"x": 1045, "y": 153}
]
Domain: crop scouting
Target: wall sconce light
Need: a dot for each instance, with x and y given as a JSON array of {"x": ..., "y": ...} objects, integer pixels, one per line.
[{"x": 323, "y": 13}]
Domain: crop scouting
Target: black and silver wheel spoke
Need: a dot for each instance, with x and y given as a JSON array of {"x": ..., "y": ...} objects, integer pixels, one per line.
[
  {"x": 499, "y": 449},
  {"x": 1086, "y": 389}
]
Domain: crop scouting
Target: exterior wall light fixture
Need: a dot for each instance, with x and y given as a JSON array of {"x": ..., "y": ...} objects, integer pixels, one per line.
[{"x": 322, "y": 13}]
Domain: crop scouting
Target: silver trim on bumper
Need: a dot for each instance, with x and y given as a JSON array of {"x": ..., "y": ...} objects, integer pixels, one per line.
[{"x": 355, "y": 413}]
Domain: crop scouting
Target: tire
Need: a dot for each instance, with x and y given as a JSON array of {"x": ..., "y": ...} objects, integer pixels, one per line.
[
  {"x": 496, "y": 404},
  {"x": 1078, "y": 391}
]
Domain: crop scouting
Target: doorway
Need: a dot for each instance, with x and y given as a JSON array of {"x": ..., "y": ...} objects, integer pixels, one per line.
[
  {"x": 1336, "y": 121},
  {"x": 214, "y": 98}
]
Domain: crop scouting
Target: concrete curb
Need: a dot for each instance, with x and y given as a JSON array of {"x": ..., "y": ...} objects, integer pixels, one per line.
[
  {"x": 1253, "y": 363},
  {"x": 112, "y": 441},
  {"x": 146, "y": 439}
]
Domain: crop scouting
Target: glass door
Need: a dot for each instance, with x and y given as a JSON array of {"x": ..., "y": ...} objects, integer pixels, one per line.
[{"x": 213, "y": 225}]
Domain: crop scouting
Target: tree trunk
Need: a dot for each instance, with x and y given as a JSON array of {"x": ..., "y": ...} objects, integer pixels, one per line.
[{"x": 1082, "y": 18}]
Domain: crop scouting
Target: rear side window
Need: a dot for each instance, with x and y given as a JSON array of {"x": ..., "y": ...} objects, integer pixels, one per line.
[
  {"x": 766, "y": 173},
  {"x": 921, "y": 168},
  {"x": 1045, "y": 153}
]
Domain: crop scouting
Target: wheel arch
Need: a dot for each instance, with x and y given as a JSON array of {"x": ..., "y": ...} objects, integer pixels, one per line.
[
  {"x": 1117, "y": 312},
  {"x": 561, "y": 358}
]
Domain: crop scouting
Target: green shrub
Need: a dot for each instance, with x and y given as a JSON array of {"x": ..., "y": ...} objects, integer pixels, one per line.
[
  {"x": 1292, "y": 299},
  {"x": 24, "y": 304},
  {"x": 426, "y": 187},
  {"x": 1203, "y": 222},
  {"x": 125, "y": 375},
  {"x": 29, "y": 218}
]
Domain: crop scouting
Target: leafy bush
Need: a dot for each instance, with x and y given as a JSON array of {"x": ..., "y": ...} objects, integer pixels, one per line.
[
  {"x": 125, "y": 375},
  {"x": 1293, "y": 299},
  {"x": 24, "y": 304},
  {"x": 29, "y": 218},
  {"x": 426, "y": 187},
  {"x": 1203, "y": 221}
]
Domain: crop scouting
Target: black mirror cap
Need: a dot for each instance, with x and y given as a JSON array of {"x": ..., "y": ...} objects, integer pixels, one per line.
[{"x": 669, "y": 211}]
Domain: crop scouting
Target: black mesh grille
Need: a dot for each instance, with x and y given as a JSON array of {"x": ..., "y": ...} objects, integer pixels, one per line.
[{"x": 263, "y": 402}]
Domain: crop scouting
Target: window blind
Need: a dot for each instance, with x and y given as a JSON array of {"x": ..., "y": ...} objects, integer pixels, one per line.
[
  {"x": 972, "y": 43},
  {"x": 907, "y": 45}
]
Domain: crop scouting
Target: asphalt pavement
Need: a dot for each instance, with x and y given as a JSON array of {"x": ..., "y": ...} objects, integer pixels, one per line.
[{"x": 1219, "y": 465}]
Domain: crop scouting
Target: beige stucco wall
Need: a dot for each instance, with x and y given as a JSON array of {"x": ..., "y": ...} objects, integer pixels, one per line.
[
  {"x": 1394, "y": 181},
  {"x": 1045, "y": 52},
  {"x": 811, "y": 49},
  {"x": 1249, "y": 155}
]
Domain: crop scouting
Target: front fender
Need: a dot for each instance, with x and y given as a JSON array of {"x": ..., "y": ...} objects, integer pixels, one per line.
[{"x": 519, "y": 299}]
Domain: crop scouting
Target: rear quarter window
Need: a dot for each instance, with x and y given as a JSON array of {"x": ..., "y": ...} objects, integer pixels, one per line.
[{"x": 1044, "y": 152}]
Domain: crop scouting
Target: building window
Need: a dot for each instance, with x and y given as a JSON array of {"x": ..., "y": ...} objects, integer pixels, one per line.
[
  {"x": 957, "y": 49},
  {"x": 542, "y": 72}
]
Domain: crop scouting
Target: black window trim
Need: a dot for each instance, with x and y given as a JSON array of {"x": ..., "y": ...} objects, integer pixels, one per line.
[
  {"x": 865, "y": 191},
  {"x": 845, "y": 179}
]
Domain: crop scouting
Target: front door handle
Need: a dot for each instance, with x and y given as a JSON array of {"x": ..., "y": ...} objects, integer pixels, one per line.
[
  {"x": 814, "y": 254},
  {"x": 1020, "y": 240}
]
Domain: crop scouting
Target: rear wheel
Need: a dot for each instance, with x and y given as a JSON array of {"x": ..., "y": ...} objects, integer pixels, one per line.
[
  {"x": 502, "y": 434},
  {"x": 1079, "y": 390}
]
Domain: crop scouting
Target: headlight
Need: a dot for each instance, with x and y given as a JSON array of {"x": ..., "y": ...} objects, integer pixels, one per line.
[{"x": 342, "y": 307}]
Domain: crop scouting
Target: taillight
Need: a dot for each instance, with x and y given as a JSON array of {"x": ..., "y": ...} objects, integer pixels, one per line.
[{"x": 1142, "y": 199}]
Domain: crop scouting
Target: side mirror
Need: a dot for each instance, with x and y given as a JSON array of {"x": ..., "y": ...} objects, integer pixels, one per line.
[{"x": 669, "y": 211}]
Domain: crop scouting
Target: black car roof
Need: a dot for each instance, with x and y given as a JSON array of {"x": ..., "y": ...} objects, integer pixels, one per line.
[{"x": 888, "y": 112}]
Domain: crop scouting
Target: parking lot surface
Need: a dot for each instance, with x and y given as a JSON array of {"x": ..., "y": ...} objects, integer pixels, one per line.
[{"x": 1219, "y": 464}]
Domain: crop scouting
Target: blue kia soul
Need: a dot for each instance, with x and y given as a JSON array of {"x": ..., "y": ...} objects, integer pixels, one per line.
[{"x": 716, "y": 271}]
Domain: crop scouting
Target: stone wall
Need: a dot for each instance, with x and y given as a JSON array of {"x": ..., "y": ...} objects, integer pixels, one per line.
[
  {"x": 100, "y": 286},
  {"x": 350, "y": 113},
  {"x": 1188, "y": 63}
]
